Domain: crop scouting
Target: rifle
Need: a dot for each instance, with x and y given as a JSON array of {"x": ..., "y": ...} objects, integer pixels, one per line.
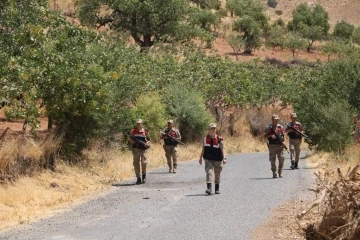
[
  {"x": 302, "y": 134},
  {"x": 171, "y": 137},
  {"x": 138, "y": 141},
  {"x": 279, "y": 138}
]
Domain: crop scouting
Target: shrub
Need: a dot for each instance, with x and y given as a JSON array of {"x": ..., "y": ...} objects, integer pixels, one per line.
[
  {"x": 187, "y": 107},
  {"x": 150, "y": 108},
  {"x": 343, "y": 30},
  {"x": 278, "y": 12},
  {"x": 356, "y": 36},
  {"x": 272, "y": 3}
]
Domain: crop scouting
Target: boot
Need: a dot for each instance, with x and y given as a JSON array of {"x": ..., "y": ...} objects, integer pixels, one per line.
[
  {"x": 280, "y": 174},
  {"x": 144, "y": 178},
  {"x": 296, "y": 165},
  {"x": 292, "y": 165},
  {"x": 208, "y": 190},
  {"x": 274, "y": 175},
  {"x": 217, "y": 188},
  {"x": 138, "y": 181}
]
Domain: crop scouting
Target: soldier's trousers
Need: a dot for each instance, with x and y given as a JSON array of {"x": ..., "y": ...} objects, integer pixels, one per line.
[
  {"x": 211, "y": 167},
  {"x": 139, "y": 156},
  {"x": 276, "y": 150},
  {"x": 171, "y": 156},
  {"x": 294, "y": 145}
]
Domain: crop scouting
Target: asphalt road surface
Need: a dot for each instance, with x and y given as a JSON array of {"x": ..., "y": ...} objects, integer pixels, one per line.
[{"x": 174, "y": 206}]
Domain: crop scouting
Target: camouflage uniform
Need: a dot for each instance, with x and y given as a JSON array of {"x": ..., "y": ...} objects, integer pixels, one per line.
[
  {"x": 139, "y": 152},
  {"x": 294, "y": 142},
  {"x": 170, "y": 147},
  {"x": 275, "y": 149}
]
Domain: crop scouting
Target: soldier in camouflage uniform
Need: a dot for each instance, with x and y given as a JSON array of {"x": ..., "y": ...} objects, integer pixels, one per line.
[
  {"x": 275, "y": 146},
  {"x": 140, "y": 140},
  {"x": 170, "y": 145},
  {"x": 294, "y": 140}
]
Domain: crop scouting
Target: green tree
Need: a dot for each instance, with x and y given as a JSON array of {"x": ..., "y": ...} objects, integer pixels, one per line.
[
  {"x": 294, "y": 42},
  {"x": 276, "y": 37},
  {"x": 236, "y": 44},
  {"x": 231, "y": 6},
  {"x": 330, "y": 48},
  {"x": 312, "y": 34},
  {"x": 208, "y": 4},
  {"x": 250, "y": 31},
  {"x": 146, "y": 21},
  {"x": 343, "y": 30},
  {"x": 311, "y": 22}
]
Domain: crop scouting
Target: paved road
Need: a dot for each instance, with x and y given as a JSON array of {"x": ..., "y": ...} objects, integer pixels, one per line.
[{"x": 174, "y": 206}]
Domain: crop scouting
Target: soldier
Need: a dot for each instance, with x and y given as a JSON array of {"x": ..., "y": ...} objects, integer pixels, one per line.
[
  {"x": 294, "y": 140},
  {"x": 140, "y": 140},
  {"x": 170, "y": 145},
  {"x": 274, "y": 133},
  {"x": 214, "y": 155}
]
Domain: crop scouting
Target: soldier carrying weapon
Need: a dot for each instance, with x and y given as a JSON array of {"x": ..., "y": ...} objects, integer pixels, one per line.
[
  {"x": 171, "y": 137},
  {"x": 274, "y": 133},
  {"x": 140, "y": 140},
  {"x": 295, "y": 132}
]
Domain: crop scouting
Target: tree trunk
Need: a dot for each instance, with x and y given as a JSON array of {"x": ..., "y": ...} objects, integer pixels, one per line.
[
  {"x": 147, "y": 41},
  {"x": 25, "y": 124},
  {"x": 50, "y": 122}
]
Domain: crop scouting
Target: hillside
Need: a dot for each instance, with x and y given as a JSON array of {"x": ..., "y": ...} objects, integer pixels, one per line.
[{"x": 348, "y": 10}]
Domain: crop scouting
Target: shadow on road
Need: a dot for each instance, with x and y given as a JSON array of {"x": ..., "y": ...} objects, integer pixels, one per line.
[
  {"x": 197, "y": 195},
  {"x": 123, "y": 184},
  {"x": 159, "y": 173},
  {"x": 261, "y": 178}
]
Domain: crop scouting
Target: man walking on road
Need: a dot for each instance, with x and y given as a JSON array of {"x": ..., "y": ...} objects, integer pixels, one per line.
[
  {"x": 274, "y": 133},
  {"x": 294, "y": 140},
  {"x": 170, "y": 145},
  {"x": 140, "y": 140},
  {"x": 214, "y": 155}
]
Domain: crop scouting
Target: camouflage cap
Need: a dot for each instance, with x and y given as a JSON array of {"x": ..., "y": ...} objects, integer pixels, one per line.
[
  {"x": 170, "y": 121},
  {"x": 139, "y": 121},
  {"x": 293, "y": 115},
  {"x": 212, "y": 125},
  {"x": 275, "y": 116}
]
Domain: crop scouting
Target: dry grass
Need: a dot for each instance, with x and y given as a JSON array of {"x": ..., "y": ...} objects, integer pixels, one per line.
[{"x": 30, "y": 198}]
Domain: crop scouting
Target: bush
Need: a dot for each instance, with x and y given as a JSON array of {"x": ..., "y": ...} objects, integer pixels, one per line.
[
  {"x": 272, "y": 3},
  {"x": 278, "y": 12},
  {"x": 356, "y": 36},
  {"x": 330, "y": 124},
  {"x": 150, "y": 108},
  {"x": 223, "y": 12},
  {"x": 343, "y": 30},
  {"x": 187, "y": 107}
]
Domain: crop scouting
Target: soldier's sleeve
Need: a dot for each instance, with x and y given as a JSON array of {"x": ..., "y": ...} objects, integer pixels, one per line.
[{"x": 222, "y": 145}]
